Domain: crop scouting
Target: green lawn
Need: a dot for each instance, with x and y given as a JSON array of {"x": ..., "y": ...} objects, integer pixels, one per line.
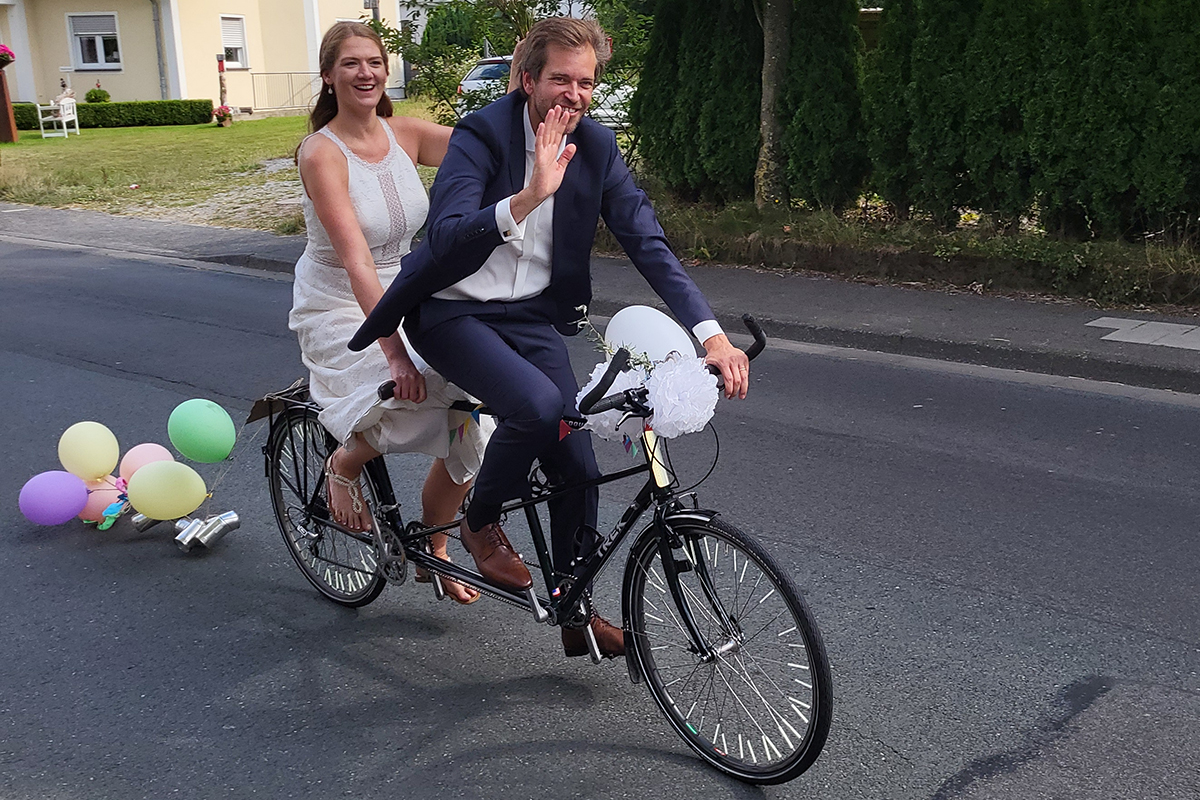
[{"x": 199, "y": 173}]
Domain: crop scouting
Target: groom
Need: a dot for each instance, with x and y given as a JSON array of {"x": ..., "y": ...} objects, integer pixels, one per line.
[{"x": 504, "y": 270}]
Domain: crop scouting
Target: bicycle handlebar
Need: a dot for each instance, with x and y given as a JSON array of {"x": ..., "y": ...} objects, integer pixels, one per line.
[
  {"x": 595, "y": 402},
  {"x": 619, "y": 363}
]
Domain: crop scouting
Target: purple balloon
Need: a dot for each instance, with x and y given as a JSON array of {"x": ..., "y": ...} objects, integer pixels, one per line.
[{"x": 53, "y": 498}]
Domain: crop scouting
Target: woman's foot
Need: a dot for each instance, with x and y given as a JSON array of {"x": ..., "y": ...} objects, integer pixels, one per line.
[
  {"x": 347, "y": 506},
  {"x": 459, "y": 593}
]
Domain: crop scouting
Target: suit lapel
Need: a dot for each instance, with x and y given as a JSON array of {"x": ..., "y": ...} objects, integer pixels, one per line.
[
  {"x": 566, "y": 214},
  {"x": 516, "y": 148}
]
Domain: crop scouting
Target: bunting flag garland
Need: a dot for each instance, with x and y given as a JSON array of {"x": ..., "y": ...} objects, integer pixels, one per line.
[
  {"x": 461, "y": 431},
  {"x": 563, "y": 429},
  {"x": 630, "y": 445}
]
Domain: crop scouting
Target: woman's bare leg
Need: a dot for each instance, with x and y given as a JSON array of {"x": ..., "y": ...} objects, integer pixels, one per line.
[
  {"x": 441, "y": 498},
  {"x": 349, "y": 465}
]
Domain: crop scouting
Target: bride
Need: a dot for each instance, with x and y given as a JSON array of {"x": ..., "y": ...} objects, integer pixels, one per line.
[{"x": 363, "y": 201}]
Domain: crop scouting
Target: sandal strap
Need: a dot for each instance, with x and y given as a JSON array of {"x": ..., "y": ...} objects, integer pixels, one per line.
[{"x": 351, "y": 486}]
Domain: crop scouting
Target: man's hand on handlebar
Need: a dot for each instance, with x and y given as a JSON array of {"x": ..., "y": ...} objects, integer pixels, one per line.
[{"x": 732, "y": 362}]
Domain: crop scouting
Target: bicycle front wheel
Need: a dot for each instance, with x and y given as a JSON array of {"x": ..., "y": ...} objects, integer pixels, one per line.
[
  {"x": 747, "y": 683},
  {"x": 343, "y": 568}
]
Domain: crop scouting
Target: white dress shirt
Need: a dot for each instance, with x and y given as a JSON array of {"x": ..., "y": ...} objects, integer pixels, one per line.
[{"x": 520, "y": 267}]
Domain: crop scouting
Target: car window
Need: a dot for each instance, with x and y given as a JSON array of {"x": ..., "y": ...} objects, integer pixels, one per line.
[{"x": 487, "y": 72}]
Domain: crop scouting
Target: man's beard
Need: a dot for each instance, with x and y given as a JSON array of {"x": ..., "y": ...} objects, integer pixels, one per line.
[{"x": 573, "y": 124}]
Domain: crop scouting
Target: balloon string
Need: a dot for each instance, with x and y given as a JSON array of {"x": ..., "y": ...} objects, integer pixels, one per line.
[{"x": 229, "y": 461}]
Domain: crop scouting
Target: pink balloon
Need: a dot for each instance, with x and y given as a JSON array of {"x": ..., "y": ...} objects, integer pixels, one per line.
[
  {"x": 52, "y": 498},
  {"x": 101, "y": 494},
  {"x": 141, "y": 455}
]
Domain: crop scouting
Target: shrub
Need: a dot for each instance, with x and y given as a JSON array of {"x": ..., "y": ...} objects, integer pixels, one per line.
[
  {"x": 887, "y": 120},
  {"x": 127, "y": 114},
  {"x": 1004, "y": 61},
  {"x": 1056, "y": 121},
  {"x": 1120, "y": 82},
  {"x": 820, "y": 106},
  {"x": 696, "y": 108},
  {"x": 652, "y": 110},
  {"x": 728, "y": 123},
  {"x": 937, "y": 95},
  {"x": 96, "y": 95},
  {"x": 1166, "y": 169},
  {"x": 26, "y": 116}
]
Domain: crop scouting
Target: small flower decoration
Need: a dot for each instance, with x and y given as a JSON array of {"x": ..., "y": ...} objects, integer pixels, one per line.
[
  {"x": 222, "y": 113},
  {"x": 7, "y": 56}
]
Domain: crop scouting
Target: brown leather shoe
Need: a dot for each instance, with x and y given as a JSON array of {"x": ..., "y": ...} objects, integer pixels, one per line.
[
  {"x": 495, "y": 557},
  {"x": 609, "y": 637}
]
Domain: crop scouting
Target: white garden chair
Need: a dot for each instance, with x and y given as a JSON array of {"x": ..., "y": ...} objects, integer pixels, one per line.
[{"x": 58, "y": 117}]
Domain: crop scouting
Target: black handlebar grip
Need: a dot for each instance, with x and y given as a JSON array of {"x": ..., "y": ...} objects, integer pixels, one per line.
[
  {"x": 760, "y": 338},
  {"x": 386, "y": 390},
  {"x": 619, "y": 363},
  {"x": 609, "y": 403}
]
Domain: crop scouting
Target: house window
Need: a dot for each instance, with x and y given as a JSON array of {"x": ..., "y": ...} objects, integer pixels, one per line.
[
  {"x": 233, "y": 39},
  {"x": 94, "y": 41}
]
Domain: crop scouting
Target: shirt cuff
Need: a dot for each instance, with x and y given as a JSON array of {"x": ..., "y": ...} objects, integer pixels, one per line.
[
  {"x": 703, "y": 330},
  {"x": 510, "y": 229}
]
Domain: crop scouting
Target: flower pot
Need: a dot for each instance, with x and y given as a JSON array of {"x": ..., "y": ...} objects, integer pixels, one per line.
[{"x": 225, "y": 123}]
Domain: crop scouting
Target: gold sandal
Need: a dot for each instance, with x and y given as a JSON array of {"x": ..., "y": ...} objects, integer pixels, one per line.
[{"x": 352, "y": 487}]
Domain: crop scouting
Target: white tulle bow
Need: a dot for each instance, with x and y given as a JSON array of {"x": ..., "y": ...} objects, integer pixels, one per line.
[{"x": 681, "y": 391}]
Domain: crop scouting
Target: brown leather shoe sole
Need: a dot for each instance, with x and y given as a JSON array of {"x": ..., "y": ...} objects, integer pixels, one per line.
[{"x": 575, "y": 643}]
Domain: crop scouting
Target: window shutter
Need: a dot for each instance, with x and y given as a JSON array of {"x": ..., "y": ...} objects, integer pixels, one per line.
[
  {"x": 233, "y": 33},
  {"x": 94, "y": 25}
]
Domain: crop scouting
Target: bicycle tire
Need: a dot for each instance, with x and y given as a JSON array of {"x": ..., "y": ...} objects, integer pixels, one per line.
[
  {"x": 342, "y": 568},
  {"x": 779, "y": 664}
]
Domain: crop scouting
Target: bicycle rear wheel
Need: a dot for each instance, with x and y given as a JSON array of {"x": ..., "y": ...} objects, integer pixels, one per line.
[
  {"x": 759, "y": 706},
  {"x": 342, "y": 567}
]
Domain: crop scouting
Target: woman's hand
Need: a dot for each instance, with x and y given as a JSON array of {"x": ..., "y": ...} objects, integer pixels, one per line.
[{"x": 410, "y": 383}]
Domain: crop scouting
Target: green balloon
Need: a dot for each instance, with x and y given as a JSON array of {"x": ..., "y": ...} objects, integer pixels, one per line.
[{"x": 202, "y": 431}]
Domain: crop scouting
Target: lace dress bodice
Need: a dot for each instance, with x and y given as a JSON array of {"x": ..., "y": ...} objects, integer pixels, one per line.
[{"x": 389, "y": 225}]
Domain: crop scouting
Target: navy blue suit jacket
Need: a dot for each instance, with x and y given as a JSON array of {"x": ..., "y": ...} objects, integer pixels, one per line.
[{"x": 485, "y": 164}]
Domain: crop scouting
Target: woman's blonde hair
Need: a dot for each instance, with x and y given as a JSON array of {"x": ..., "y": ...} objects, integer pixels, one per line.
[{"x": 325, "y": 108}]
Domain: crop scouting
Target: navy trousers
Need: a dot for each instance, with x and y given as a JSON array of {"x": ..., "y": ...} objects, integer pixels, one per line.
[{"x": 510, "y": 357}]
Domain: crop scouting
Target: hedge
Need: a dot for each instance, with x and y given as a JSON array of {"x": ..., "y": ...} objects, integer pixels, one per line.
[
  {"x": 1082, "y": 113},
  {"x": 696, "y": 108},
  {"x": 820, "y": 107},
  {"x": 126, "y": 114}
]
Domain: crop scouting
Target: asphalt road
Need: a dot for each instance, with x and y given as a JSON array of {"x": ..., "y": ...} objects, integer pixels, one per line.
[{"x": 1003, "y": 567}]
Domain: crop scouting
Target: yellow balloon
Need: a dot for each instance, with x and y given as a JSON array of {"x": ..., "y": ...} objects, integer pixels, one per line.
[
  {"x": 166, "y": 490},
  {"x": 89, "y": 450}
]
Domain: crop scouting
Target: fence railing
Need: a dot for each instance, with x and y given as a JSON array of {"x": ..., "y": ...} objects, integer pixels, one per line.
[{"x": 285, "y": 89}]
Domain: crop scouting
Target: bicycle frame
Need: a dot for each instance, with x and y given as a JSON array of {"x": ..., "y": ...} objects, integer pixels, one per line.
[{"x": 559, "y": 605}]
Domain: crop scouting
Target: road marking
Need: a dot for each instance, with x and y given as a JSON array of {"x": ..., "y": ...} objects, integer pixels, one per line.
[{"x": 1162, "y": 334}]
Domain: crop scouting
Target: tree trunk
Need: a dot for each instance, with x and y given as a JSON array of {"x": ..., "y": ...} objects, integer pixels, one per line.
[{"x": 769, "y": 186}]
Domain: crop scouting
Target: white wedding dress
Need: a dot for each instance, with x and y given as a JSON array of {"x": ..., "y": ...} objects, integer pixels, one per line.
[{"x": 390, "y": 203}]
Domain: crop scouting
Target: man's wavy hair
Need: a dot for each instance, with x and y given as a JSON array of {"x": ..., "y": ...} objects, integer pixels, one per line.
[{"x": 564, "y": 32}]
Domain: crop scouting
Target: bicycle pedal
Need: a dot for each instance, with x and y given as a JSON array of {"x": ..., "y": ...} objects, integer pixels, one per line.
[
  {"x": 539, "y": 612},
  {"x": 592, "y": 645}
]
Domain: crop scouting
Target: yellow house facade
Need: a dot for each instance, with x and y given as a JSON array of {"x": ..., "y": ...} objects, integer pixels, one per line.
[{"x": 168, "y": 49}]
